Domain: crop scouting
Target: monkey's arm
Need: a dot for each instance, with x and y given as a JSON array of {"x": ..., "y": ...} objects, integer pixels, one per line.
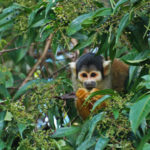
[{"x": 85, "y": 110}]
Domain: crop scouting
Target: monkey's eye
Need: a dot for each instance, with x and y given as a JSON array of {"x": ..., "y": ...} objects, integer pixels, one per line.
[
  {"x": 93, "y": 74},
  {"x": 84, "y": 75}
]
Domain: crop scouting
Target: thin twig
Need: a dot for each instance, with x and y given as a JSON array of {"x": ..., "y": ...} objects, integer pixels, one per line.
[
  {"x": 12, "y": 49},
  {"x": 64, "y": 67},
  {"x": 47, "y": 45}
]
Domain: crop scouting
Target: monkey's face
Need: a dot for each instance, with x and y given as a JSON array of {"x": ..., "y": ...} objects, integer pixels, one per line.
[
  {"x": 90, "y": 71},
  {"x": 89, "y": 77}
]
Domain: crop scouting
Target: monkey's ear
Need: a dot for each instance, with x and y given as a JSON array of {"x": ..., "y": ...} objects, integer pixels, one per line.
[
  {"x": 73, "y": 67},
  {"x": 107, "y": 67}
]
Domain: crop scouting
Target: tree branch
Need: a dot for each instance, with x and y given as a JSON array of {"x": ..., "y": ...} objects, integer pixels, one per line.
[
  {"x": 12, "y": 49},
  {"x": 48, "y": 43}
]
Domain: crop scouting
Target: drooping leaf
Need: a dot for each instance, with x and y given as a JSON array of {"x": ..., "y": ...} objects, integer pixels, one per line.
[
  {"x": 7, "y": 26},
  {"x": 2, "y": 145},
  {"x": 101, "y": 143},
  {"x": 133, "y": 1},
  {"x": 49, "y": 6},
  {"x": 84, "y": 130},
  {"x": 146, "y": 82},
  {"x": 146, "y": 146},
  {"x": 76, "y": 23},
  {"x": 51, "y": 114},
  {"x": 28, "y": 86},
  {"x": 39, "y": 23},
  {"x": 85, "y": 43},
  {"x": 116, "y": 113},
  {"x": 143, "y": 142},
  {"x": 138, "y": 62},
  {"x": 21, "y": 128},
  {"x": 8, "y": 116},
  {"x": 87, "y": 144},
  {"x": 132, "y": 72},
  {"x": 98, "y": 102},
  {"x": 65, "y": 131},
  {"x": 101, "y": 92},
  {"x": 4, "y": 91},
  {"x": 102, "y": 12},
  {"x": 123, "y": 23},
  {"x": 6, "y": 19},
  {"x": 2, "y": 116},
  {"x": 98, "y": 13},
  {"x": 139, "y": 111},
  {"x": 93, "y": 124},
  {"x": 32, "y": 16},
  {"x": 9, "y": 81},
  {"x": 118, "y": 4}
]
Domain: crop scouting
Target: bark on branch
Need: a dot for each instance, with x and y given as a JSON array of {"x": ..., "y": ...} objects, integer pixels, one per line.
[
  {"x": 47, "y": 45},
  {"x": 12, "y": 49}
]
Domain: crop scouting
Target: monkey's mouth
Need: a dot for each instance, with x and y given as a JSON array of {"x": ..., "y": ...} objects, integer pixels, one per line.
[
  {"x": 89, "y": 85},
  {"x": 89, "y": 88}
]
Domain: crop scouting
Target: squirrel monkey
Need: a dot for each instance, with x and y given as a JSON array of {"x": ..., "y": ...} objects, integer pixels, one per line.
[{"x": 91, "y": 73}]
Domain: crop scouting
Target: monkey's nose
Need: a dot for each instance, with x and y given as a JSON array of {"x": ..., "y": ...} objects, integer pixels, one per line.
[{"x": 90, "y": 85}]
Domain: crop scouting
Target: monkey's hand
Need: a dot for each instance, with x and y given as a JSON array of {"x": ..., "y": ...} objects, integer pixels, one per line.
[
  {"x": 95, "y": 98},
  {"x": 83, "y": 110},
  {"x": 82, "y": 94}
]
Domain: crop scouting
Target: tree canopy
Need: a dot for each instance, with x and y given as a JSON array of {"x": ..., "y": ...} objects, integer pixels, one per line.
[{"x": 38, "y": 39}]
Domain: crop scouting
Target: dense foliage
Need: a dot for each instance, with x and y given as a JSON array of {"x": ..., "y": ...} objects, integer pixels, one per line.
[{"x": 37, "y": 42}]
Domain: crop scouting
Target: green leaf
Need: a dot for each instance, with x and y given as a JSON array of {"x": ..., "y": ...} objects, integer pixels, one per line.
[
  {"x": 12, "y": 8},
  {"x": 51, "y": 114},
  {"x": 98, "y": 13},
  {"x": 116, "y": 113},
  {"x": 8, "y": 116},
  {"x": 147, "y": 81},
  {"x": 28, "y": 86},
  {"x": 4, "y": 91},
  {"x": 85, "y": 43},
  {"x": 87, "y": 144},
  {"x": 146, "y": 146},
  {"x": 49, "y": 6},
  {"x": 102, "y": 12},
  {"x": 7, "y": 26},
  {"x": 101, "y": 143},
  {"x": 132, "y": 72},
  {"x": 32, "y": 16},
  {"x": 143, "y": 142},
  {"x": 2, "y": 116},
  {"x": 123, "y": 23},
  {"x": 93, "y": 124},
  {"x": 101, "y": 92},
  {"x": 119, "y": 3},
  {"x": 21, "y": 128},
  {"x": 39, "y": 23},
  {"x": 2, "y": 78},
  {"x": 84, "y": 130},
  {"x": 75, "y": 25},
  {"x": 66, "y": 131},
  {"x": 133, "y": 1},
  {"x": 138, "y": 62},
  {"x": 139, "y": 111},
  {"x": 9, "y": 81},
  {"x": 98, "y": 102},
  {"x": 88, "y": 21},
  {"x": 2, "y": 145},
  {"x": 6, "y": 19}
]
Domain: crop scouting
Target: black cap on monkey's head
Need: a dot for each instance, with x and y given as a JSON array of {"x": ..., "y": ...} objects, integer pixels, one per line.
[{"x": 90, "y": 59}]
